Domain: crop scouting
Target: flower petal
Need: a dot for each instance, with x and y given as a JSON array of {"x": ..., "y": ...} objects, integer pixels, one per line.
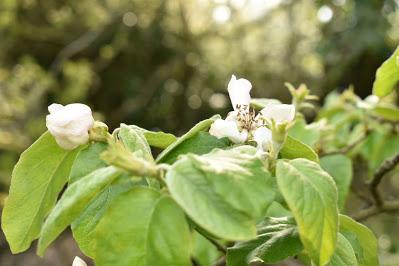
[
  {"x": 239, "y": 92},
  {"x": 78, "y": 262},
  {"x": 263, "y": 136},
  {"x": 280, "y": 113},
  {"x": 228, "y": 128}
]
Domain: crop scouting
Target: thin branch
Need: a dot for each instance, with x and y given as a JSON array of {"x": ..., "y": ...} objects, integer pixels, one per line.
[
  {"x": 348, "y": 148},
  {"x": 386, "y": 167},
  {"x": 380, "y": 205}
]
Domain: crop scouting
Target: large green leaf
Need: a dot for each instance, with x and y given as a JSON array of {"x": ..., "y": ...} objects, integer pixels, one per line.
[
  {"x": 311, "y": 195},
  {"x": 293, "y": 148},
  {"x": 340, "y": 168},
  {"x": 202, "y": 143},
  {"x": 142, "y": 227},
  {"x": 277, "y": 240},
  {"x": 37, "y": 179},
  {"x": 388, "y": 112},
  {"x": 73, "y": 202},
  {"x": 363, "y": 242},
  {"x": 83, "y": 226},
  {"x": 307, "y": 134},
  {"x": 387, "y": 75},
  {"x": 344, "y": 254},
  {"x": 87, "y": 160},
  {"x": 224, "y": 191}
]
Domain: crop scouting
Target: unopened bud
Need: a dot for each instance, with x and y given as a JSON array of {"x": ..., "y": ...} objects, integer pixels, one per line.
[{"x": 99, "y": 132}]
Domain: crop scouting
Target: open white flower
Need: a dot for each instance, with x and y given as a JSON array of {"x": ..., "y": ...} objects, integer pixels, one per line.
[
  {"x": 78, "y": 262},
  {"x": 280, "y": 113},
  {"x": 70, "y": 124},
  {"x": 228, "y": 128},
  {"x": 239, "y": 92},
  {"x": 263, "y": 137}
]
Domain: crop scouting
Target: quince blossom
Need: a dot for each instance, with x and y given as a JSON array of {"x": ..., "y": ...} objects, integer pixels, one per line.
[{"x": 70, "y": 124}]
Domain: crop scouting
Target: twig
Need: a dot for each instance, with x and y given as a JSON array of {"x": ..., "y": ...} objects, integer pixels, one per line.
[
  {"x": 380, "y": 205},
  {"x": 346, "y": 149},
  {"x": 386, "y": 167}
]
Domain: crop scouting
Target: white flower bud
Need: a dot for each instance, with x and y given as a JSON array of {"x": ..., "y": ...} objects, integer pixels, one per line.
[
  {"x": 280, "y": 113},
  {"x": 228, "y": 128},
  {"x": 78, "y": 262},
  {"x": 263, "y": 137},
  {"x": 70, "y": 124},
  {"x": 239, "y": 92}
]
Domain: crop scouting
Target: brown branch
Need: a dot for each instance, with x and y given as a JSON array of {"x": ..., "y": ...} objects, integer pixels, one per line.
[
  {"x": 380, "y": 205},
  {"x": 348, "y": 148}
]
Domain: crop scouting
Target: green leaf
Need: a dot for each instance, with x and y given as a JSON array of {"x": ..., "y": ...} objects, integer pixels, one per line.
[
  {"x": 307, "y": 134},
  {"x": 260, "y": 103},
  {"x": 83, "y": 227},
  {"x": 367, "y": 251},
  {"x": 133, "y": 138},
  {"x": 204, "y": 251},
  {"x": 73, "y": 202},
  {"x": 344, "y": 254},
  {"x": 312, "y": 197},
  {"x": 387, "y": 75},
  {"x": 87, "y": 160},
  {"x": 293, "y": 148},
  {"x": 37, "y": 179},
  {"x": 135, "y": 141},
  {"x": 277, "y": 240},
  {"x": 387, "y": 112},
  {"x": 224, "y": 192},
  {"x": 142, "y": 227},
  {"x": 159, "y": 139},
  {"x": 203, "y": 144},
  {"x": 340, "y": 168}
]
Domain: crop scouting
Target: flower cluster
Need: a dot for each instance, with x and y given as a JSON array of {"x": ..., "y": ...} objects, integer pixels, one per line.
[{"x": 243, "y": 124}]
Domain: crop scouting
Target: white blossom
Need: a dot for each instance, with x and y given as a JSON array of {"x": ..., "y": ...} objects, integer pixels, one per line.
[
  {"x": 78, "y": 262},
  {"x": 263, "y": 137},
  {"x": 228, "y": 128},
  {"x": 239, "y": 92},
  {"x": 369, "y": 102},
  {"x": 280, "y": 113},
  {"x": 70, "y": 124}
]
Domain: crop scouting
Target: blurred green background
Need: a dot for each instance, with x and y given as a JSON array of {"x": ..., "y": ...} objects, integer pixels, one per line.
[{"x": 165, "y": 64}]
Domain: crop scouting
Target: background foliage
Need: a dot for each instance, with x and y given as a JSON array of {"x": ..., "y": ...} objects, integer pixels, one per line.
[{"x": 165, "y": 64}]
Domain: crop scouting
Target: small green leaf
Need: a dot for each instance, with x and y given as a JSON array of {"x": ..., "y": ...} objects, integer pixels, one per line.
[
  {"x": 224, "y": 191},
  {"x": 387, "y": 112},
  {"x": 340, "y": 168},
  {"x": 277, "y": 240},
  {"x": 364, "y": 240},
  {"x": 87, "y": 160},
  {"x": 159, "y": 139},
  {"x": 344, "y": 254},
  {"x": 293, "y": 148},
  {"x": 73, "y": 202},
  {"x": 312, "y": 197},
  {"x": 135, "y": 141},
  {"x": 260, "y": 103},
  {"x": 387, "y": 75},
  {"x": 142, "y": 227},
  {"x": 37, "y": 179},
  {"x": 170, "y": 154}
]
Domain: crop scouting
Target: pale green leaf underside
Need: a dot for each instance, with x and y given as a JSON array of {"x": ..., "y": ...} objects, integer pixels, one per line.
[
  {"x": 73, "y": 202},
  {"x": 224, "y": 192},
  {"x": 142, "y": 227},
  {"x": 312, "y": 197},
  {"x": 37, "y": 179}
]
